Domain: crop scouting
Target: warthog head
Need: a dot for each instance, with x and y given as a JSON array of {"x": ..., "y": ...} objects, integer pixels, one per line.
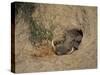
[{"x": 68, "y": 42}]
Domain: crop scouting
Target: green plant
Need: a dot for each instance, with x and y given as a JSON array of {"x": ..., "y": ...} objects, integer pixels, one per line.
[{"x": 39, "y": 32}]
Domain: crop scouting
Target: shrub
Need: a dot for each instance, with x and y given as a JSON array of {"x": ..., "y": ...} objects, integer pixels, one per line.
[{"x": 40, "y": 33}]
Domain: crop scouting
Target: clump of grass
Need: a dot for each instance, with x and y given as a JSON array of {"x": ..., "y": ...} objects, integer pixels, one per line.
[{"x": 40, "y": 33}]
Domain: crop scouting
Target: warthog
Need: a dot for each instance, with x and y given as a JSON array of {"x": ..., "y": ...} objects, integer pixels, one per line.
[{"x": 68, "y": 43}]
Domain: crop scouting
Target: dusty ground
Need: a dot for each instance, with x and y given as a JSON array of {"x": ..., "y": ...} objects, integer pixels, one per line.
[{"x": 84, "y": 18}]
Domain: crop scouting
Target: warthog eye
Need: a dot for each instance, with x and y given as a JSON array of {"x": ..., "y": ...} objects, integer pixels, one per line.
[{"x": 57, "y": 42}]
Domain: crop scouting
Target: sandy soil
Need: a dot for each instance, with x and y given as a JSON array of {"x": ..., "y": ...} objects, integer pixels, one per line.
[{"x": 84, "y": 18}]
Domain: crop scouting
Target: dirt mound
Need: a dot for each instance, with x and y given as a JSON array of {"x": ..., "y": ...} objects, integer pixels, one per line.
[{"x": 56, "y": 18}]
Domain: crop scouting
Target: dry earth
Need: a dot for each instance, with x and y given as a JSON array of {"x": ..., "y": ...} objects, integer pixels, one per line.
[{"x": 27, "y": 59}]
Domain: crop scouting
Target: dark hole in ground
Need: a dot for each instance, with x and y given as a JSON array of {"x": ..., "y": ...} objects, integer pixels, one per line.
[{"x": 70, "y": 43}]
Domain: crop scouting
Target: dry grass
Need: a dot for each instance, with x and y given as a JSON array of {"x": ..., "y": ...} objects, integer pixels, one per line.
[{"x": 56, "y": 18}]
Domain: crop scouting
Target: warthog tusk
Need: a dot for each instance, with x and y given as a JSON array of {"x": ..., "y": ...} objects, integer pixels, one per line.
[
  {"x": 71, "y": 51},
  {"x": 53, "y": 45}
]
